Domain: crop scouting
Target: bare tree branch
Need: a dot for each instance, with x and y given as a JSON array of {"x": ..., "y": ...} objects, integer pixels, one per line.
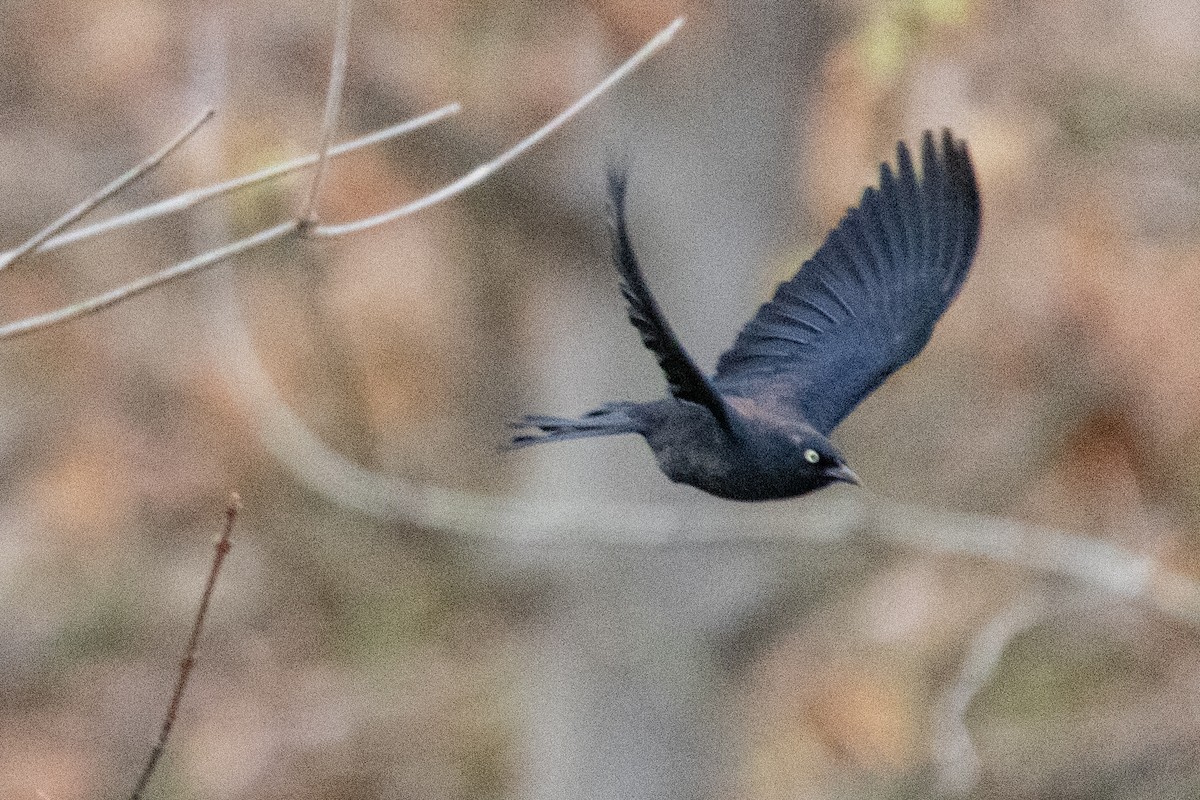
[
  {"x": 333, "y": 104},
  {"x": 75, "y": 214},
  {"x": 114, "y": 296},
  {"x": 704, "y": 522},
  {"x": 221, "y": 550}
]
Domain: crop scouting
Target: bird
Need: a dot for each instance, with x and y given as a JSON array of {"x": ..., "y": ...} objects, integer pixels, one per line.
[{"x": 862, "y": 307}]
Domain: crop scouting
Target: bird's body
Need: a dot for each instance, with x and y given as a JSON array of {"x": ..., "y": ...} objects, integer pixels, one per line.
[
  {"x": 860, "y": 309},
  {"x": 761, "y": 459}
]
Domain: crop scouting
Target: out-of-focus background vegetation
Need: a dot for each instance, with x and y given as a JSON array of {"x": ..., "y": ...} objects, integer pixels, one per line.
[{"x": 351, "y": 653}]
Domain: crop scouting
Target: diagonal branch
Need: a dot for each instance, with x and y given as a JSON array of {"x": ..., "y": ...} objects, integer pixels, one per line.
[
  {"x": 195, "y": 197},
  {"x": 112, "y": 297},
  {"x": 75, "y": 214},
  {"x": 568, "y": 523}
]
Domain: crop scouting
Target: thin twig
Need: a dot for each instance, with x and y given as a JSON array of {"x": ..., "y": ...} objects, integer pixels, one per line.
[
  {"x": 76, "y": 213},
  {"x": 333, "y": 104},
  {"x": 195, "y": 197},
  {"x": 480, "y": 173},
  {"x": 122, "y": 293},
  {"x": 221, "y": 550}
]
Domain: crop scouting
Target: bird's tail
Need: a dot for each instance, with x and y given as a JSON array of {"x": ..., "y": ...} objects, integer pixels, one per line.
[{"x": 607, "y": 420}]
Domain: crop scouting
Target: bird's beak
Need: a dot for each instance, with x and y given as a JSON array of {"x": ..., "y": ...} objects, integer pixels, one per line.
[{"x": 844, "y": 474}]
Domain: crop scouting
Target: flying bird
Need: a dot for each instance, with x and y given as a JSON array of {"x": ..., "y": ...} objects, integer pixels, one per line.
[{"x": 862, "y": 307}]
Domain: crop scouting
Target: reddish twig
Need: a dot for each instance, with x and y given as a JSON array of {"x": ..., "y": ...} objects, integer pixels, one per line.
[{"x": 189, "y": 657}]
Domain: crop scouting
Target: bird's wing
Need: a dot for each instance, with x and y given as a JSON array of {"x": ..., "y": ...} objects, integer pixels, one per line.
[
  {"x": 866, "y": 303},
  {"x": 684, "y": 379}
]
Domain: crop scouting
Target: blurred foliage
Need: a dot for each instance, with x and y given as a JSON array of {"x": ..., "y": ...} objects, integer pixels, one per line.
[{"x": 895, "y": 32}]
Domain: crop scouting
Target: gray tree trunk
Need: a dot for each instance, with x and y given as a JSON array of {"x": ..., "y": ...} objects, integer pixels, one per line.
[{"x": 627, "y": 669}]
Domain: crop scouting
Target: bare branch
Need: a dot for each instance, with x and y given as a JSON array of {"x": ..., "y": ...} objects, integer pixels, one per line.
[
  {"x": 109, "y": 298},
  {"x": 195, "y": 197},
  {"x": 98, "y": 302},
  {"x": 77, "y": 213},
  {"x": 483, "y": 171},
  {"x": 333, "y": 104},
  {"x": 704, "y": 522},
  {"x": 953, "y": 749},
  {"x": 221, "y": 550}
]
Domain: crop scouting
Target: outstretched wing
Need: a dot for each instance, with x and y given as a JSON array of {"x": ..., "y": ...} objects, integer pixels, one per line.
[
  {"x": 866, "y": 303},
  {"x": 684, "y": 380}
]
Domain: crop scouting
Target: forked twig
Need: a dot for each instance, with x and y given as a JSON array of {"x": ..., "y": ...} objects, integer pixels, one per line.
[
  {"x": 221, "y": 550},
  {"x": 75, "y": 214},
  {"x": 333, "y": 104}
]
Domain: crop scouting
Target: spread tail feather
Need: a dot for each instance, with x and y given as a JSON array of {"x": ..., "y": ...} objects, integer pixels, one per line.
[{"x": 607, "y": 420}]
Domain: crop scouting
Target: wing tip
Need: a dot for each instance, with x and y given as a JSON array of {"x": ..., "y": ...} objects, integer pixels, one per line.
[
  {"x": 956, "y": 155},
  {"x": 946, "y": 169},
  {"x": 960, "y": 169},
  {"x": 616, "y": 176}
]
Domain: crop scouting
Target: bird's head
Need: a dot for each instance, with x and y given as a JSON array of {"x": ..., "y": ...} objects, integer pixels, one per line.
[
  {"x": 820, "y": 462},
  {"x": 780, "y": 455}
]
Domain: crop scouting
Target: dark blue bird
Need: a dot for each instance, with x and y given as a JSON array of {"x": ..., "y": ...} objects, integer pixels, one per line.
[{"x": 856, "y": 312}]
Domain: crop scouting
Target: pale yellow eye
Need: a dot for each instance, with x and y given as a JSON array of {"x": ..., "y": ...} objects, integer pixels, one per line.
[{"x": 812, "y": 456}]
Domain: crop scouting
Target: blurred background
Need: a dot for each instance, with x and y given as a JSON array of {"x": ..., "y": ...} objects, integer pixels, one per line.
[{"x": 409, "y": 613}]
